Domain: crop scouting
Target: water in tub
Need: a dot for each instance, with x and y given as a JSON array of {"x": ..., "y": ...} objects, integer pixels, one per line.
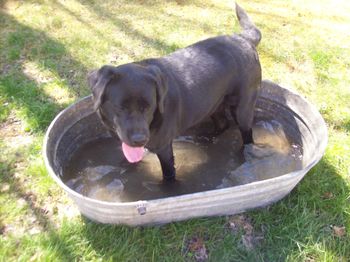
[{"x": 99, "y": 170}]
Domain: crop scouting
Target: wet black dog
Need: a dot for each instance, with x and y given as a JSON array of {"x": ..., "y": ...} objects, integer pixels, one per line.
[{"x": 149, "y": 103}]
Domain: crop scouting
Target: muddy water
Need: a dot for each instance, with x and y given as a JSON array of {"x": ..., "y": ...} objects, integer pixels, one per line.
[{"x": 99, "y": 170}]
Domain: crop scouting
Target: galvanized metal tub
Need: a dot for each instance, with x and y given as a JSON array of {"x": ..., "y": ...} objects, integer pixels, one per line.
[{"x": 78, "y": 124}]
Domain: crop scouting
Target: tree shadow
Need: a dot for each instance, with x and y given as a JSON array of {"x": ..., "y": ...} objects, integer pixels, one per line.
[
  {"x": 159, "y": 3},
  {"x": 42, "y": 218},
  {"x": 92, "y": 27},
  {"x": 25, "y": 44},
  {"x": 126, "y": 27},
  {"x": 158, "y": 44},
  {"x": 347, "y": 125},
  {"x": 314, "y": 205}
]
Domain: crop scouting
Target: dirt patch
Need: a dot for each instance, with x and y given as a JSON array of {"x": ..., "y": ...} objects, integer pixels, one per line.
[
  {"x": 195, "y": 249},
  {"x": 13, "y": 134},
  {"x": 38, "y": 213},
  {"x": 251, "y": 239}
]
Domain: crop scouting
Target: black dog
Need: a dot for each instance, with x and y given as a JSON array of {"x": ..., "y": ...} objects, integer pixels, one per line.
[{"x": 149, "y": 103}]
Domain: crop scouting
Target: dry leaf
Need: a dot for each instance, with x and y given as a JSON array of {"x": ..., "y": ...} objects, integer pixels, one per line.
[
  {"x": 328, "y": 195},
  {"x": 34, "y": 230},
  {"x": 2, "y": 229},
  {"x": 339, "y": 231},
  {"x": 309, "y": 259},
  {"x": 250, "y": 241},
  {"x": 239, "y": 222},
  {"x": 248, "y": 228},
  {"x": 21, "y": 202},
  {"x": 4, "y": 188},
  {"x": 197, "y": 247}
]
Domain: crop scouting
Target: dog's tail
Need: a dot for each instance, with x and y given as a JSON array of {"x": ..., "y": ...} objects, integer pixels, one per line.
[{"x": 250, "y": 32}]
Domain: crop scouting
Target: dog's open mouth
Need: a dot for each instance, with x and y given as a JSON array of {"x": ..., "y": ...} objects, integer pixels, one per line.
[{"x": 133, "y": 154}]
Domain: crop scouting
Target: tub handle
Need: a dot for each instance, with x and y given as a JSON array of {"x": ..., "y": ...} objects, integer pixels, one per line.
[{"x": 141, "y": 207}]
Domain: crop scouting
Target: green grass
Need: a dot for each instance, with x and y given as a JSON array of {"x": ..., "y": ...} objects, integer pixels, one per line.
[{"x": 46, "y": 50}]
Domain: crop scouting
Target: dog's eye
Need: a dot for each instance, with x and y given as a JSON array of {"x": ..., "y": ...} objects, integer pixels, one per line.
[
  {"x": 119, "y": 109},
  {"x": 143, "y": 107}
]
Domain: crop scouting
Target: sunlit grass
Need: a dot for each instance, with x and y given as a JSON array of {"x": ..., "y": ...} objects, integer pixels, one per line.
[{"x": 46, "y": 50}]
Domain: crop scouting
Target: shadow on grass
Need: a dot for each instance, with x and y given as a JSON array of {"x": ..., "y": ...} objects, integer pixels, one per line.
[
  {"x": 25, "y": 44},
  {"x": 22, "y": 44},
  {"x": 93, "y": 28},
  {"x": 24, "y": 93},
  {"x": 302, "y": 221},
  {"x": 157, "y": 44},
  {"x": 64, "y": 251},
  {"x": 127, "y": 28},
  {"x": 347, "y": 125},
  {"x": 198, "y": 3}
]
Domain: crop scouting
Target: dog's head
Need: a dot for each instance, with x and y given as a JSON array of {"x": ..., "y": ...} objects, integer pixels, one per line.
[{"x": 127, "y": 98}]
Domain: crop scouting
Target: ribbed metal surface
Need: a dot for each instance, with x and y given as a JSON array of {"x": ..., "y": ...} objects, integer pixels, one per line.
[{"x": 303, "y": 122}]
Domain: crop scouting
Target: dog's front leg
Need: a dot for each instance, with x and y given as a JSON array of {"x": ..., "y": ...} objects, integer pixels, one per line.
[{"x": 166, "y": 158}]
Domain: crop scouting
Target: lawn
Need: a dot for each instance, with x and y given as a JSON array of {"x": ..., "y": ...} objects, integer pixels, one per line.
[{"x": 47, "y": 48}]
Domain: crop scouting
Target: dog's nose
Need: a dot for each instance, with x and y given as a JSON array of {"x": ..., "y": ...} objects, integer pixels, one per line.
[{"x": 138, "y": 139}]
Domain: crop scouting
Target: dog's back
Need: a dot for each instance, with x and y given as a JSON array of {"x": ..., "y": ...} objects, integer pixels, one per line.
[{"x": 201, "y": 75}]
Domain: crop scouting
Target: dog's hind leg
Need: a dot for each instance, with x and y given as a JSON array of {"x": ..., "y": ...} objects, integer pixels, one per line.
[
  {"x": 221, "y": 123},
  {"x": 244, "y": 115},
  {"x": 166, "y": 159}
]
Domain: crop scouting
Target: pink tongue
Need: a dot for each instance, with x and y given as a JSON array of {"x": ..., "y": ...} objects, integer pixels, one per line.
[{"x": 133, "y": 154}]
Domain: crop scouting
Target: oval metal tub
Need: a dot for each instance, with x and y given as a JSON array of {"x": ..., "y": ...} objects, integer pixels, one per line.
[{"x": 78, "y": 124}]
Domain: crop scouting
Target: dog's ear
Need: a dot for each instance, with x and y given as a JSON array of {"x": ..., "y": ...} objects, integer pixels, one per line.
[
  {"x": 98, "y": 80},
  {"x": 162, "y": 86}
]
